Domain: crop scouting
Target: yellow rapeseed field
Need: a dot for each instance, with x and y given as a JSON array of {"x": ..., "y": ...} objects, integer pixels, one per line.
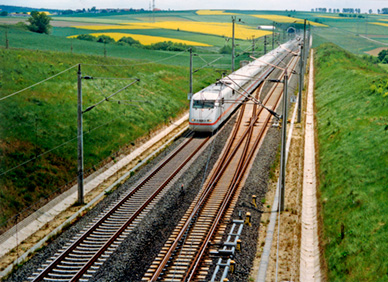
[
  {"x": 108, "y": 27},
  {"x": 44, "y": 12},
  {"x": 213, "y": 13},
  {"x": 145, "y": 39},
  {"x": 332, "y": 17},
  {"x": 382, "y": 24},
  {"x": 220, "y": 29},
  {"x": 285, "y": 19}
]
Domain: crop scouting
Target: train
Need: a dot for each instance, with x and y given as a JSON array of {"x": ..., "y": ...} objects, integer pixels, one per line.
[{"x": 211, "y": 106}]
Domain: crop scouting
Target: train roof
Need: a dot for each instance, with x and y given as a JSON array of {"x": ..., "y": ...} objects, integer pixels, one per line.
[{"x": 240, "y": 76}]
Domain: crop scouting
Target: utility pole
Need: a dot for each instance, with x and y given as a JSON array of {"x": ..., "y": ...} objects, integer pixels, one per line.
[
  {"x": 284, "y": 139},
  {"x": 153, "y": 11},
  {"x": 80, "y": 174},
  {"x": 6, "y": 38},
  {"x": 233, "y": 23},
  {"x": 304, "y": 41},
  {"x": 273, "y": 35},
  {"x": 191, "y": 73},
  {"x": 265, "y": 44},
  {"x": 253, "y": 45},
  {"x": 300, "y": 83}
]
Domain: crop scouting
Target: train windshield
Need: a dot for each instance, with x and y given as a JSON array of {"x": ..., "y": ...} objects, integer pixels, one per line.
[{"x": 203, "y": 104}]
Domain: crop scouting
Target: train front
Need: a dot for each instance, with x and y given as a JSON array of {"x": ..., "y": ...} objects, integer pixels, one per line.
[{"x": 204, "y": 111}]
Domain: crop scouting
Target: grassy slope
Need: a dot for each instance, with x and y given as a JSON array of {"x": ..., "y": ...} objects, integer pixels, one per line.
[
  {"x": 45, "y": 116},
  {"x": 352, "y": 115}
]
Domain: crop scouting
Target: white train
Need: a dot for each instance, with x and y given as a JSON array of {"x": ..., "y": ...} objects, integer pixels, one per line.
[{"x": 211, "y": 106}]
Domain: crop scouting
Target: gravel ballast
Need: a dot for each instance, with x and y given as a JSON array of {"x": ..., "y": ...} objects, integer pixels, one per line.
[{"x": 136, "y": 253}]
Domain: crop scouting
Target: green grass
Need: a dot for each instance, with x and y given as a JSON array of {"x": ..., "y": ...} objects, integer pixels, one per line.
[
  {"x": 43, "y": 118},
  {"x": 352, "y": 116}
]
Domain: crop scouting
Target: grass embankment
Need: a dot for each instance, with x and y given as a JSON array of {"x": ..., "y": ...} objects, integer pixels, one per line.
[
  {"x": 352, "y": 116},
  {"x": 35, "y": 122}
]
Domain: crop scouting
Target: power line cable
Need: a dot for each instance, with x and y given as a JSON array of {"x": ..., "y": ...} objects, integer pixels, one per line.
[
  {"x": 139, "y": 64},
  {"x": 29, "y": 87},
  {"x": 57, "y": 147},
  {"x": 208, "y": 64},
  {"x": 107, "y": 98}
]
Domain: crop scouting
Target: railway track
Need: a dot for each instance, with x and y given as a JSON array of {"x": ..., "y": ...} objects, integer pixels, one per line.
[
  {"x": 185, "y": 255},
  {"x": 82, "y": 257}
]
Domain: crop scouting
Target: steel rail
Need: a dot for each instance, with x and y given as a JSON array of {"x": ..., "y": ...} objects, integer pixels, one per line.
[
  {"x": 231, "y": 189},
  {"x": 243, "y": 164},
  {"x": 203, "y": 196},
  {"x": 83, "y": 270},
  {"x": 222, "y": 165},
  {"x": 76, "y": 243}
]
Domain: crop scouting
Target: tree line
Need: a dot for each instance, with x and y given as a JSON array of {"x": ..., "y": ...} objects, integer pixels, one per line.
[{"x": 129, "y": 41}]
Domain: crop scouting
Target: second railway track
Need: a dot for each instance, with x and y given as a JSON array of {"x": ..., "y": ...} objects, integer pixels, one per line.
[
  {"x": 184, "y": 256},
  {"x": 83, "y": 256}
]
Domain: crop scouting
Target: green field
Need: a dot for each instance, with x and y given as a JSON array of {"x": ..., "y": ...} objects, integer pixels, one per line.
[
  {"x": 352, "y": 115},
  {"x": 42, "y": 121}
]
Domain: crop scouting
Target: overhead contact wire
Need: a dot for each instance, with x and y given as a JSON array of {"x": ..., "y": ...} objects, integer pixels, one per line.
[{"x": 40, "y": 82}]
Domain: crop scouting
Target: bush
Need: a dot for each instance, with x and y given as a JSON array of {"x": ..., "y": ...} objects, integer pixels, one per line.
[
  {"x": 86, "y": 37},
  {"x": 382, "y": 56},
  {"x": 371, "y": 59},
  {"x": 105, "y": 39},
  {"x": 128, "y": 41},
  {"x": 168, "y": 46},
  {"x": 226, "y": 50},
  {"x": 39, "y": 22}
]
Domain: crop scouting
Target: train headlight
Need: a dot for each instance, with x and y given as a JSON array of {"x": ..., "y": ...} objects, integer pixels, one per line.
[
  {"x": 209, "y": 120},
  {"x": 192, "y": 119}
]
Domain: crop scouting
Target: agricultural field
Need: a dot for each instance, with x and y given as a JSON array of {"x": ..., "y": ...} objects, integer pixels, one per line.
[{"x": 212, "y": 29}]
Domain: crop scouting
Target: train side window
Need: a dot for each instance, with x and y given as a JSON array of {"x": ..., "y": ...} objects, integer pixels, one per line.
[
  {"x": 222, "y": 101},
  {"x": 233, "y": 92}
]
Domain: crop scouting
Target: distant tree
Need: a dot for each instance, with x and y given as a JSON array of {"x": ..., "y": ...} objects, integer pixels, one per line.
[
  {"x": 105, "y": 39},
  {"x": 87, "y": 37},
  {"x": 168, "y": 46},
  {"x": 128, "y": 41},
  {"x": 329, "y": 10},
  {"x": 68, "y": 12},
  {"x": 370, "y": 11},
  {"x": 39, "y": 22},
  {"x": 384, "y": 10},
  {"x": 4, "y": 14},
  {"x": 383, "y": 56},
  {"x": 378, "y": 11},
  {"x": 312, "y": 10}
]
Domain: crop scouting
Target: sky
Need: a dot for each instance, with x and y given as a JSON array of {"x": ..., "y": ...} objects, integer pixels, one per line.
[{"x": 300, "y": 5}]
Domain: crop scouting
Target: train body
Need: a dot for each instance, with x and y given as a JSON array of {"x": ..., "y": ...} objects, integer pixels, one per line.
[{"x": 211, "y": 106}]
